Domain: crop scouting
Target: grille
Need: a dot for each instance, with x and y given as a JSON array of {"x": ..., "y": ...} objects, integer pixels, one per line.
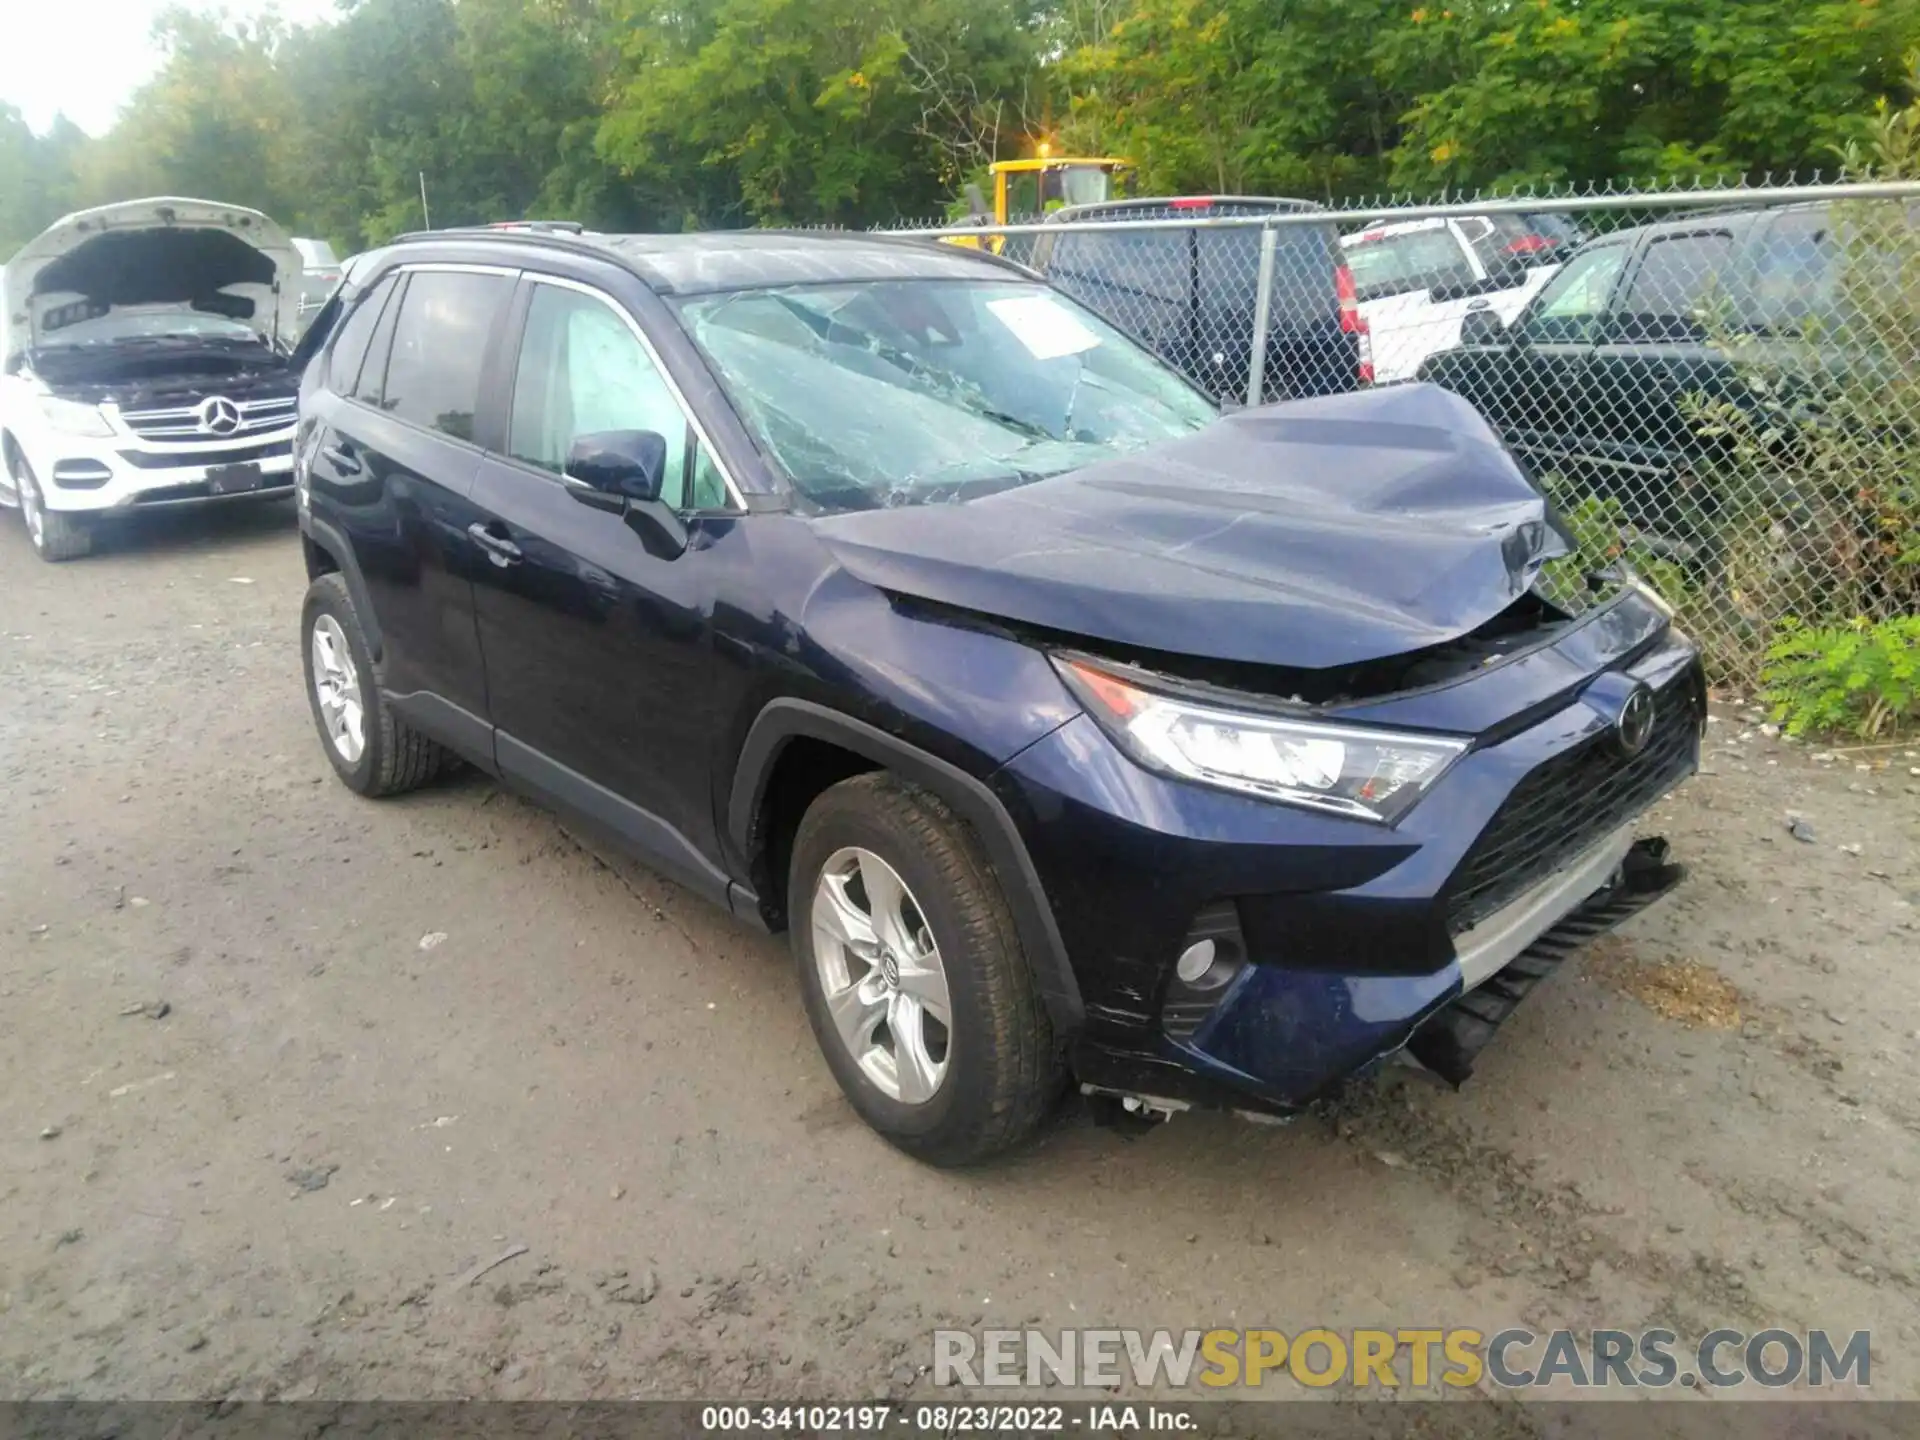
[
  {"x": 1569, "y": 803},
  {"x": 186, "y": 459},
  {"x": 182, "y": 422},
  {"x": 1187, "y": 1006}
]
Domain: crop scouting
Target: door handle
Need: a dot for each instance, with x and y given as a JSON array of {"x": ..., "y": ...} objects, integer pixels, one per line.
[
  {"x": 341, "y": 458},
  {"x": 500, "y": 550}
]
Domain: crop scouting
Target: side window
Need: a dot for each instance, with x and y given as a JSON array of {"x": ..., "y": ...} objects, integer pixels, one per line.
[
  {"x": 349, "y": 350},
  {"x": 1569, "y": 310},
  {"x": 1151, "y": 263},
  {"x": 1794, "y": 273},
  {"x": 1387, "y": 264},
  {"x": 1678, "y": 281},
  {"x": 439, "y": 345},
  {"x": 581, "y": 371}
]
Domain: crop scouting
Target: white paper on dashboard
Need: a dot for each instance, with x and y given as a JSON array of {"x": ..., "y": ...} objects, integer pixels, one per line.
[{"x": 1046, "y": 327}]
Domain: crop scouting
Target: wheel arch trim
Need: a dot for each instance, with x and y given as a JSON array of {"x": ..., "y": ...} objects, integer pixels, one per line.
[
  {"x": 328, "y": 539},
  {"x": 789, "y": 718}
]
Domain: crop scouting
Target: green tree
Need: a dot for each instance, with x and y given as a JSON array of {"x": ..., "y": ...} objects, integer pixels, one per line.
[
  {"x": 1515, "y": 91},
  {"x": 797, "y": 111}
]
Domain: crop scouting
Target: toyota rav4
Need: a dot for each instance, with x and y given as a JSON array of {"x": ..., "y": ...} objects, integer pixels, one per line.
[
  {"x": 1076, "y": 733},
  {"x": 144, "y": 363}
]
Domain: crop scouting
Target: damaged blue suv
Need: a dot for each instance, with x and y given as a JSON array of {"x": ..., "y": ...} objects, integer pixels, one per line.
[{"x": 1078, "y": 734}]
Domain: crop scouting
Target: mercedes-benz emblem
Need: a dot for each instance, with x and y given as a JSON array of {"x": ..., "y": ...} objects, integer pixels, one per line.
[
  {"x": 219, "y": 415},
  {"x": 1636, "y": 722}
]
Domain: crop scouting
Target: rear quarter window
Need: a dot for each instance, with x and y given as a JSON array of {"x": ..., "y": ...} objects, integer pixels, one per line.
[
  {"x": 1150, "y": 263},
  {"x": 1304, "y": 257}
]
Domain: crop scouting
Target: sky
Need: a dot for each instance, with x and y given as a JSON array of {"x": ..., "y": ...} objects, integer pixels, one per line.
[{"x": 86, "y": 57}]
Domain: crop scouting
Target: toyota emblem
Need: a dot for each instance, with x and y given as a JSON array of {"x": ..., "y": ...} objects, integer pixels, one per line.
[
  {"x": 1636, "y": 722},
  {"x": 219, "y": 415}
]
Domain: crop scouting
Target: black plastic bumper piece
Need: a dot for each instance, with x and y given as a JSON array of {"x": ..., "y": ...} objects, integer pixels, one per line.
[{"x": 1448, "y": 1043}]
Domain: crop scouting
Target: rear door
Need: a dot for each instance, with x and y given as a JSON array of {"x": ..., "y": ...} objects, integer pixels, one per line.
[
  {"x": 1547, "y": 403},
  {"x": 392, "y": 460},
  {"x": 599, "y": 667}
]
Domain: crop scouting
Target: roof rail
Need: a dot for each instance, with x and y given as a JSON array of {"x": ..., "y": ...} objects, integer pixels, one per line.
[
  {"x": 574, "y": 240},
  {"x": 563, "y": 227}
]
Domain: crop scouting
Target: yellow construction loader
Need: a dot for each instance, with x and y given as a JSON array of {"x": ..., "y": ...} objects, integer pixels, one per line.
[{"x": 1028, "y": 189}]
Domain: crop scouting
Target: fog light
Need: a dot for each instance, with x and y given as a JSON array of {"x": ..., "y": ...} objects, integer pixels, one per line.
[
  {"x": 1214, "y": 952},
  {"x": 1195, "y": 961}
]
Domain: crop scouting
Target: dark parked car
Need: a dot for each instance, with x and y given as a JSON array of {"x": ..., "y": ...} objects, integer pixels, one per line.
[
  {"x": 882, "y": 595},
  {"x": 1596, "y": 378},
  {"x": 1189, "y": 294}
]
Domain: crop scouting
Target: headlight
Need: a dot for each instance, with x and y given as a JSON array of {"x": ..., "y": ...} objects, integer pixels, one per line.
[
  {"x": 73, "y": 418},
  {"x": 1370, "y": 774}
]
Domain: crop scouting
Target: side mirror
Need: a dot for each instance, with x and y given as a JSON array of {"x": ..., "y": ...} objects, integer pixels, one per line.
[
  {"x": 617, "y": 466},
  {"x": 1482, "y": 327},
  {"x": 977, "y": 209}
]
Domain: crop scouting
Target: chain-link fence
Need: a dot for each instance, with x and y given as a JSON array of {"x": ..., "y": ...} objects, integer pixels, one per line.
[{"x": 1722, "y": 385}]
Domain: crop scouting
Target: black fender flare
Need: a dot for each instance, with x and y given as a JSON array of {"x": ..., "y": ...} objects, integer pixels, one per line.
[
  {"x": 788, "y": 718},
  {"x": 327, "y": 538}
]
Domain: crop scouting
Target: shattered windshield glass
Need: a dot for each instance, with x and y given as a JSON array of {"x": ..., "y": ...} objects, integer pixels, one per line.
[{"x": 900, "y": 392}]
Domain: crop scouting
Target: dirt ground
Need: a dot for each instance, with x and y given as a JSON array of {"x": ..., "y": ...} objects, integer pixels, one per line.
[{"x": 403, "y": 1038}]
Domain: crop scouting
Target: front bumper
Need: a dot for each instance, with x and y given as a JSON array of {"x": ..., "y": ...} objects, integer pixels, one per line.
[
  {"x": 121, "y": 474},
  {"x": 1356, "y": 937}
]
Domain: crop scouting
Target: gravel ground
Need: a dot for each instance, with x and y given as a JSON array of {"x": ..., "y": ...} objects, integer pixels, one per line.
[{"x": 281, "y": 1068}]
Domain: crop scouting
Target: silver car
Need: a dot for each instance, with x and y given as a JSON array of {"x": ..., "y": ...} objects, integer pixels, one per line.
[{"x": 320, "y": 273}]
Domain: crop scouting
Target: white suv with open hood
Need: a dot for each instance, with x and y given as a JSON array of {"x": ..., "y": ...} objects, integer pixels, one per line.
[{"x": 145, "y": 363}]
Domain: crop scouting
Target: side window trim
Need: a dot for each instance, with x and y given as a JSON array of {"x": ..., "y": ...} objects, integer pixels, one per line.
[
  {"x": 703, "y": 443},
  {"x": 380, "y": 350}
]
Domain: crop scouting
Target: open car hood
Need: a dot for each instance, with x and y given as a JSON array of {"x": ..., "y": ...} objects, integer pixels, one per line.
[
  {"x": 1308, "y": 534},
  {"x": 155, "y": 252}
]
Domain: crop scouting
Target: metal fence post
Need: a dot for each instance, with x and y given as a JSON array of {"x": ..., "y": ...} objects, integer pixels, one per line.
[{"x": 1262, "y": 316}]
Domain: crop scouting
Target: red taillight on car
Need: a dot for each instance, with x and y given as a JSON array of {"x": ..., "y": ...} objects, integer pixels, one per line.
[
  {"x": 1530, "y": 244},
  {"x": 1352, "y": 322},
  {"x": 1191, "y": 202}
]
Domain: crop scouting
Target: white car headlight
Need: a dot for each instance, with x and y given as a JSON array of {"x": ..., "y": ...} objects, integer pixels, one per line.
[
  {"x": 1347, "y": 769},
  {"x": 72, "y": 418}
]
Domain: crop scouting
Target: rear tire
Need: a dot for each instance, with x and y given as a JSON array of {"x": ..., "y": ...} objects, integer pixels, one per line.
[
  {"x": 372, "y": 749},
  {"x": 1000, "y": 1067},
  {"x": 54, "y": 534}
]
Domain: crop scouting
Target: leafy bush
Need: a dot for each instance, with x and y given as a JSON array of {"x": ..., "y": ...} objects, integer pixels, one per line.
[
  {"x": 1862, "y": 677},
  {"x": 1818, "y": 495},
  {"x": 1602, "y": 538}
]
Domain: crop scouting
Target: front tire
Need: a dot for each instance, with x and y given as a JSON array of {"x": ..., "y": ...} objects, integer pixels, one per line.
[
  {"x": 54, "y": 534},
  {"x": 913, "y": 975},
  {"x": 372, "y": 749}
]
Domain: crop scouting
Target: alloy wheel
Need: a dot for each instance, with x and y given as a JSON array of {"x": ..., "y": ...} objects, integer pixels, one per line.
[
  {"x": 336, "y": 686},
  {"x": 881, "y": 975},
  {"x": 30, "y": 510}
]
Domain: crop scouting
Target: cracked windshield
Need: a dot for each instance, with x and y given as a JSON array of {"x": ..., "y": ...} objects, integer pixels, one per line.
[{"x": 897, "y": 392}]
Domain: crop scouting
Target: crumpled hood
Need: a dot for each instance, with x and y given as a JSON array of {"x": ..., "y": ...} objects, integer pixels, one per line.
[
  {"x": 158, "y": 251},
  {"x": 1308, "y": 534}
]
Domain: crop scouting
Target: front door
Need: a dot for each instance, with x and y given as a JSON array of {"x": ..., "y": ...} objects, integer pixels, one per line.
[
  {"x": 1553, "y": 416},
  {"x": 596, "y": 644}
]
